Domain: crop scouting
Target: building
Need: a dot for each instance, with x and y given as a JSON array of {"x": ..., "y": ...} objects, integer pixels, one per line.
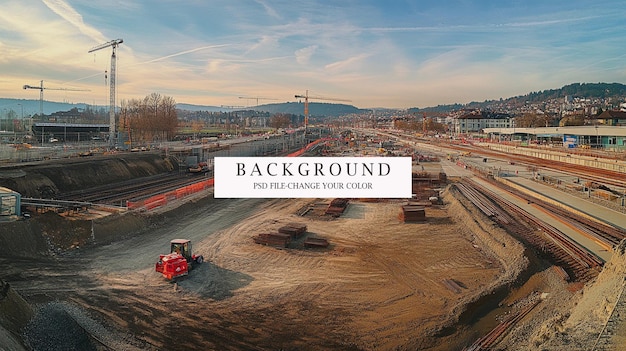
[
  {"x": 46, "y": 131},
  {"x": 610, "y": 138},
  {"x": 612, "y": 118},
  {"x": 10, "y": 203},
  {"x": 473, "y": 122}
]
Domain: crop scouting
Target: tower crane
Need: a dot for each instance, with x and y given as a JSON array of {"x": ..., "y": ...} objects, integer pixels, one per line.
[
  {"x": 255, "y": 98},
  {"x": 306, "y": 98},
  {"x": 113, "y": 44},
  {"x": 41, "y": 88}
]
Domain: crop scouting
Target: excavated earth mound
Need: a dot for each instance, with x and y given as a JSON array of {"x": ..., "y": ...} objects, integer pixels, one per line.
[{"x": 53, "y": 177}]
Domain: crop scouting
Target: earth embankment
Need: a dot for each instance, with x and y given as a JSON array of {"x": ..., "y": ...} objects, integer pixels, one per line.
[
  {"x": 15, "y": 313},
  {"x": 53, "y": 177}
]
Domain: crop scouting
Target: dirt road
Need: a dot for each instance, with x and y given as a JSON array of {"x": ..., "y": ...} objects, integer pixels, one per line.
[{"x": 379, "y": 286}]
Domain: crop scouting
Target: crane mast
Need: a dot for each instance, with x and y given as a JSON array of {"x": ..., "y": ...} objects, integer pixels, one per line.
[
  {"x": 306, "y": 98},
  {"x": 26, "y": 86},
  {"x": 113, "y": 44},
  {"x": 41, "y": 88}
]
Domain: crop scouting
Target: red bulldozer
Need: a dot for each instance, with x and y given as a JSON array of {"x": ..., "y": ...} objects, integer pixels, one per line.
[{"x": 179, "y": 261}]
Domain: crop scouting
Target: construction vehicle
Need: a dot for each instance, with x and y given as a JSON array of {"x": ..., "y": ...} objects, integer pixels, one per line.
[
  {"x": 201, "y": 167},
  {"x": 179, "y": 261}
]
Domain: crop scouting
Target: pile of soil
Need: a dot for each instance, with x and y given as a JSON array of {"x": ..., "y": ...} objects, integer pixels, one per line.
[{"x": 53, "y": 177}]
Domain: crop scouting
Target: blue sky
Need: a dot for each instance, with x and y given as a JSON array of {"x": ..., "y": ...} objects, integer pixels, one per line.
[{"x": 374, "y": 53}]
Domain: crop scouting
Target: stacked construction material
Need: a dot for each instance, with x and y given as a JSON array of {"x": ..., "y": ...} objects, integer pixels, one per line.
[
  {"x": 294, "y": 230},
  {"x": 420, "y": 203},
  {"x": 316, "y": 242},
  {"x": 443, "y": 178},
  {"x": 273, "y": 239},
  {"x": 413, "y": 213},
  {"x": 336, "y": 207}
]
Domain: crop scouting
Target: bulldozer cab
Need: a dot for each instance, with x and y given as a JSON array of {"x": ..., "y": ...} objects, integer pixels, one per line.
[{"x": 182, "y": 247}]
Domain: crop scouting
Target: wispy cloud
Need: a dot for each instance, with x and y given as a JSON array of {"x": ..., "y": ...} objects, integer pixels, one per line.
[
  {"x": 375, "y": 53},
  {"x": 183, "y": 53},
  {"x": 268, "y": 9},
  {"x": 304, "y": 55},
  {"x": 481, "y": 27},
  {"x": 266, "y": 42},
  {"x": 65, "y": 11},
  {"x": 349, "y": 62}
]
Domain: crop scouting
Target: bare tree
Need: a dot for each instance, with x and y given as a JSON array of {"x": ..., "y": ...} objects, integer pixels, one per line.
[
  {"x": 153, "y": 118},
  {"x": 280, "y": 120}
]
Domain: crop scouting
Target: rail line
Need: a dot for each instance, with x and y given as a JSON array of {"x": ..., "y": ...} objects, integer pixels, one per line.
[
  {"x": 609, "y": 235},
  {"x": 490, "y": 339},
  {"x": 132, "y": 189},
  {"x": 598, "y": 175},
  {"x": 565, "y": 252},
  {"x": 571, "y": 258}
]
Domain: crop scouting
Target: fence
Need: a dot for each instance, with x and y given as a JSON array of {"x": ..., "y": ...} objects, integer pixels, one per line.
[
  {"x": 26, "y": 153},
  {"x": 163, "y": 199}
]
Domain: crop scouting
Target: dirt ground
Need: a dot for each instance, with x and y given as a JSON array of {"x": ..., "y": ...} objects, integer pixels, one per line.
[{"x": 380, "y": 285}]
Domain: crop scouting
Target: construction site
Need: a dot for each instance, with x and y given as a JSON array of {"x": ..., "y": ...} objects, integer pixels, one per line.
[{"x": 475, "y": 260}]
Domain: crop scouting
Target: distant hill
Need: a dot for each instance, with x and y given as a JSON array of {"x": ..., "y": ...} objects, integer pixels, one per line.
[
  {"x": 315, "y": 109},
  {"x": 586, "y": 90},
  {"x": 31, "y": 107},
  {"x": 583, "y": 90},
  {"x": 190, "y": 107},
  {"x": 293, "y": 108},
  {"x": 436, "y": 109}
]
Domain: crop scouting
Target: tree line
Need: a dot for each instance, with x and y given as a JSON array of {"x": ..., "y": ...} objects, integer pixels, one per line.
[
  {"x": 155, "y": 117},
  {"x": 149, "y": 119}
]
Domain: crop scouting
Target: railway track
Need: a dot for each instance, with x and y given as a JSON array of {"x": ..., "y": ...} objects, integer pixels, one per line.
[
  {"x": 598, "y": 175},
  {"x": 570, "y": 258},
  {"x": 492, "y": 337},
  {"x": 575, "y": 259},
  {"x": 609, "y": 235},
  {"x": 114, "y": 194}
]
